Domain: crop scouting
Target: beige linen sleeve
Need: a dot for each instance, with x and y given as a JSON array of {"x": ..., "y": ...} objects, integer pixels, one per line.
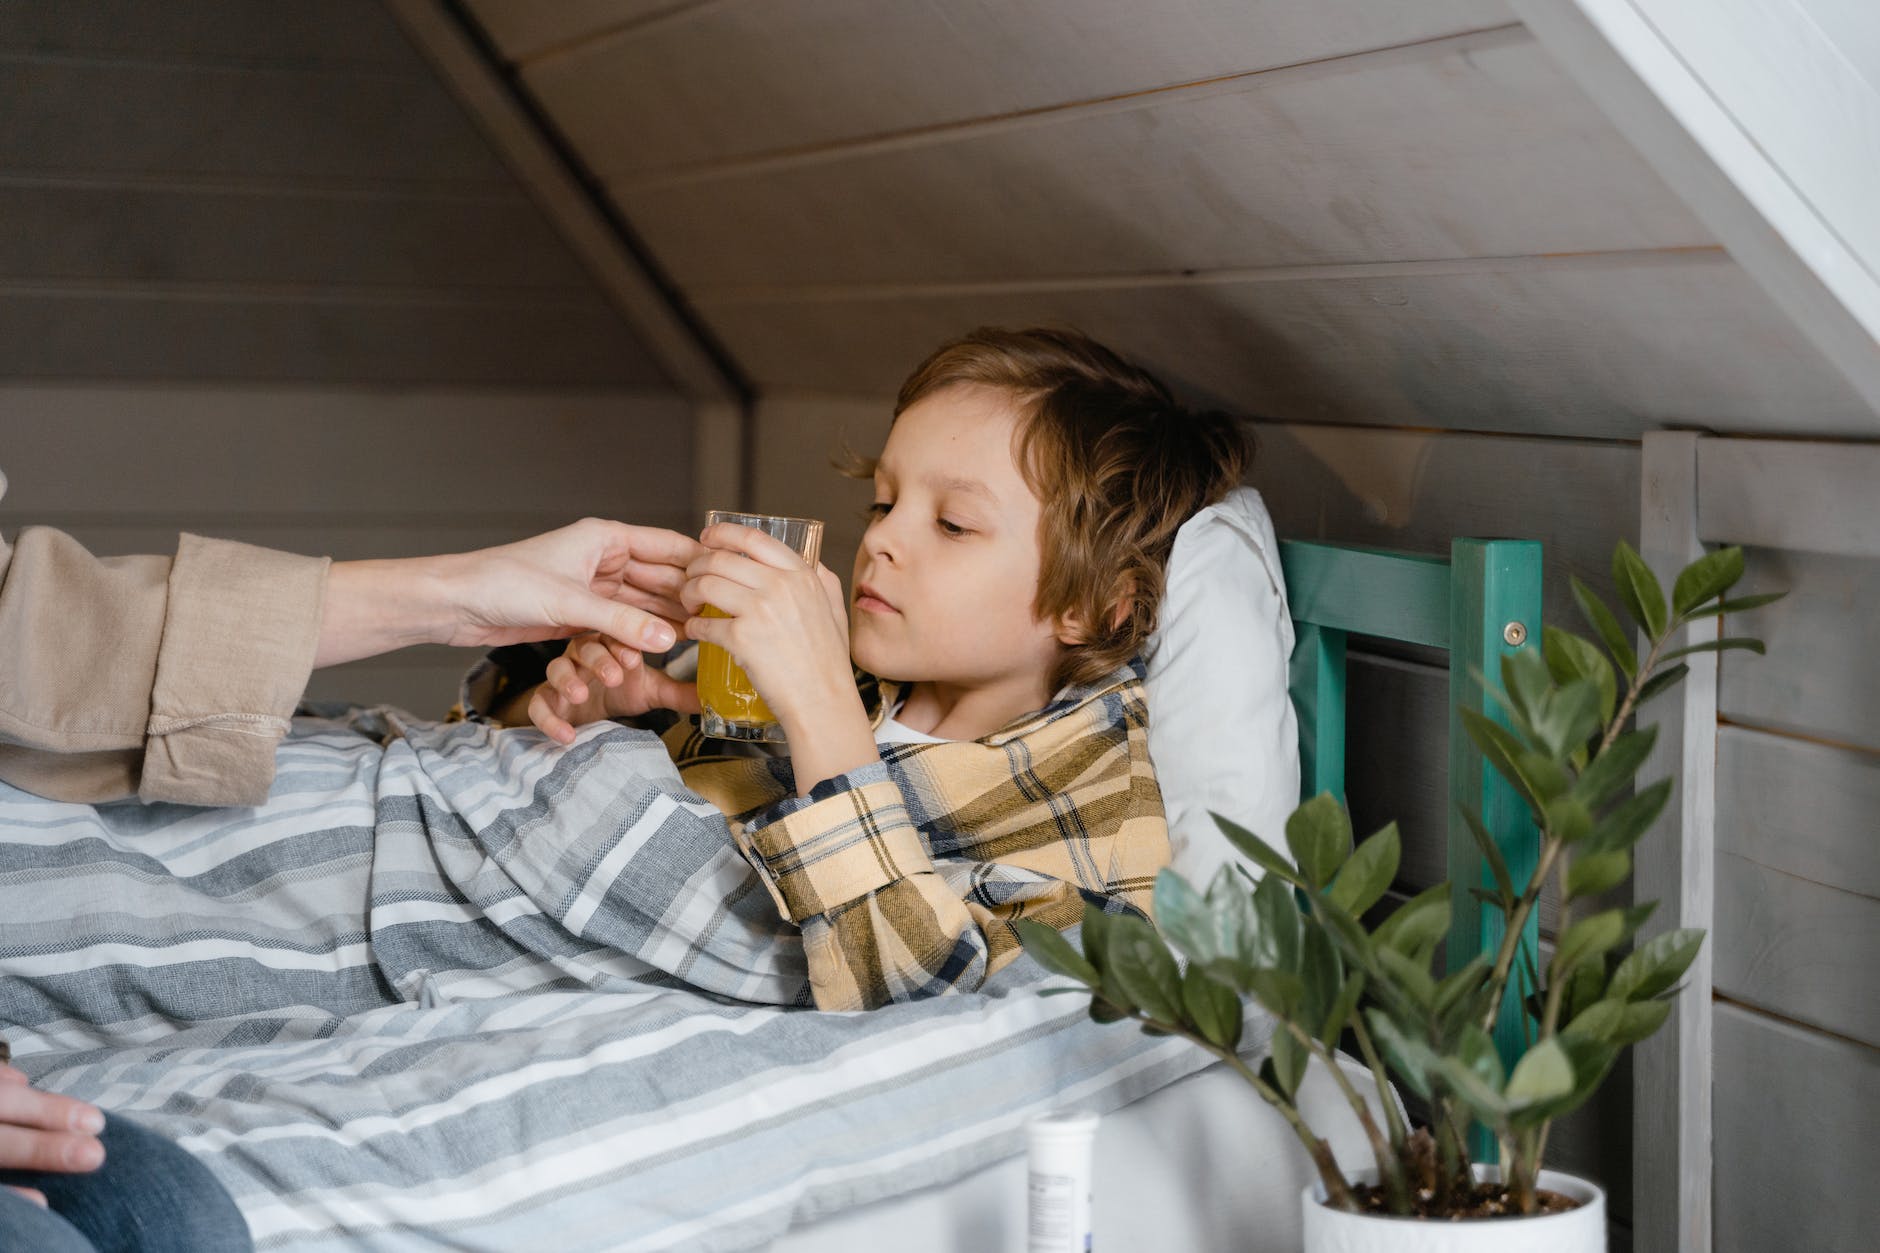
[{"x": 166, "y": 679}]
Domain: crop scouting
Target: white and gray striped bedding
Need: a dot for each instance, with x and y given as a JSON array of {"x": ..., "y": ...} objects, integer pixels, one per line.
[{"x": 471, "y": 990}]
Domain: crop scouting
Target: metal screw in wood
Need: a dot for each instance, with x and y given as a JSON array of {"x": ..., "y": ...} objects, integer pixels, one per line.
[{"x": 1515, "y": 633}]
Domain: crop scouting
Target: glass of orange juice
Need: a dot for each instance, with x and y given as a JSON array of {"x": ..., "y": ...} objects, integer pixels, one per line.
[{"x": 733, "y": 709}]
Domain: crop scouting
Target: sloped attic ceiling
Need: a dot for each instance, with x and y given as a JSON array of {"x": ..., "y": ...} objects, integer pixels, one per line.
[{"x": 1344, "y": 211}]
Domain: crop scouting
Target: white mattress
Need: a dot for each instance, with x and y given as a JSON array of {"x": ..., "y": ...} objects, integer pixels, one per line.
[{"x": 1199, "y": 1166}]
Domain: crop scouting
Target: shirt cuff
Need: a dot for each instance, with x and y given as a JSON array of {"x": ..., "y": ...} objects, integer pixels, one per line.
[
  {"x": 851, "y": 836},
  {"x": 239, "y": 635}
]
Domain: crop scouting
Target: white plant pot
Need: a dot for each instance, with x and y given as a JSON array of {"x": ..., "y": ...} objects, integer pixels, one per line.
[{"x": 1581, "y": 1230}]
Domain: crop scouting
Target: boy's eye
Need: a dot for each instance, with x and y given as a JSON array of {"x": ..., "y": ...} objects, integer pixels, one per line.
[
  {"x": 951, "y": 528},
  {"x": 878, "y": 510}
]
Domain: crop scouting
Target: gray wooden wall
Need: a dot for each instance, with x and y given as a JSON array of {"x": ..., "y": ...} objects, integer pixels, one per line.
[
  {"x": 1797, "y": 1056},
  {"x": 260, "y": 276}
]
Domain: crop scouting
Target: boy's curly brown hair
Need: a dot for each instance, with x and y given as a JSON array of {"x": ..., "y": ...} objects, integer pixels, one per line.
[{"x": 1116, "y": 463}]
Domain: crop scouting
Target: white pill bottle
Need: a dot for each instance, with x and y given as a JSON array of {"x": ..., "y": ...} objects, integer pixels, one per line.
[{"x": 1060, "y": 1161}]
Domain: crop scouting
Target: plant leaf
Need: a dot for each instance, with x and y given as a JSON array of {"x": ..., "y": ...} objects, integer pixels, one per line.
[
  {"x": 1410, "y": 1059},
  {"x": 1612, "y": 771},
  {"x": 1289, "y": 1059},
  {"x": 1346, "y": 932},
  {"x": 1742, "y": 604},
  {"x": 1341, "y": 1008},
  {"x": 1052, "y": 951},
  {"x": 1590, "y": 1060},
  {"x": 1639, "y": 590},
  {"x": 1491, "y": 853},
  {"x": 1319, "y": 835},
  {"x": 1418, "y": 925},
  {"x": 1568, "y": 820},
  {"x": 1525, "y": 679},
  {"x": 1745, "y": 643},
  {"x": 1095, "y": 935},
  {"x": 1183, "y": 917},
  {"x": 1661, "y": 681},
  {"x": 1584, "y": 986},
  {"x": 1593, "y": 873},
  {"x": 1278, "y": 992},
  {"x": 1628, "y": 820},
  {"x": 1144, "y": 969},
  {"x": 1544, "y": 1073},
  {"x": 1567, "y": 716},
  {"x": 1655, "y": 965},
  {"x": 1586, "y": 939},
  {"x": 1571, "y": 657},
  {"x": 1214, "y": 1010},
  {"x": 1257, "y": 850},
  {"x": 1409, "y": 976},
  {"x": 1320, "y": 974},
  {"x": 1707, "y": 578},
  {"x": 1604, "y": 621},
  {"x": 1500, "y": 747},
  {"x": 1368, "y": 873},
  {"x": 1279, "y": 926},
  {"x": 1476, "y": 1050}
]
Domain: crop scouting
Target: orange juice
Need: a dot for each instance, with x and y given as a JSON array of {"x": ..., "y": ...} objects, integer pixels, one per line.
[
  {"x": 733, "y": 709},
  {"x": 725, "y": 690}
]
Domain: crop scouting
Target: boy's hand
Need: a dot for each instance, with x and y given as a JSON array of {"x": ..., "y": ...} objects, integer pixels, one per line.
[
  {"x": 787, "y": 624},
  {"x": 598, "y": 677}
]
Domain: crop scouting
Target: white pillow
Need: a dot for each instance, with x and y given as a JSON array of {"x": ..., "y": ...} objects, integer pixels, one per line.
[{"x": 1222, "y": 732}]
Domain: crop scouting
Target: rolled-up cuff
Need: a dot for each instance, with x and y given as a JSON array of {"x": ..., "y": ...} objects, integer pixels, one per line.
[
  {"x": 239, "y": 637},
  {"x": 837, "y": 845}
]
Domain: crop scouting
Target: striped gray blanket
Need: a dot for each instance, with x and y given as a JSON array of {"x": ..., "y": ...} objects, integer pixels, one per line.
[{"x": 466, "y": 989}]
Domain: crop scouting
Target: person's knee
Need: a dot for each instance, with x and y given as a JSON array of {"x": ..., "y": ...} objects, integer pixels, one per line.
[
  {"x": 27, "y": 1225},
  {"x": 153, "y": 1195}
]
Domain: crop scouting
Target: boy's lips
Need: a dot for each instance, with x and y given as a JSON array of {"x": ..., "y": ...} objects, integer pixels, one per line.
[{"x": 869, "y": 600}]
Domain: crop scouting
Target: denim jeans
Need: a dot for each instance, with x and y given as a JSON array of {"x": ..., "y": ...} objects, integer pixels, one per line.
[{"x": 150, "y": 1196}]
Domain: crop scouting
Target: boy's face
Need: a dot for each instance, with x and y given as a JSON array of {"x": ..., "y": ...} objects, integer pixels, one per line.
[{"x": 948, "y": 568}]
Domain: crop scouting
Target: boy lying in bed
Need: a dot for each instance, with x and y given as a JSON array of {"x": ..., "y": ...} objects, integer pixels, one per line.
[{"x": 1025, "y": 506}]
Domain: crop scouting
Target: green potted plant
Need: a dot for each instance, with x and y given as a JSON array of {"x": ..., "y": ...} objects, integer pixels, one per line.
[{"x": 1295, "y": 940}]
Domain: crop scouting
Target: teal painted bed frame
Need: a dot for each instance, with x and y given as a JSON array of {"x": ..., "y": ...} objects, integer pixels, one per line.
[{"x": 1480, "y": 603}]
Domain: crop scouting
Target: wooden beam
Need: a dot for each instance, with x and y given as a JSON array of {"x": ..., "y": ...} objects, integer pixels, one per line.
[
  {"x": 1803, "y": 496},
  {"x": 1676, "y": 866},
  {"x": 694, "y": 362},
  {"x": 1702, "y": 116}
]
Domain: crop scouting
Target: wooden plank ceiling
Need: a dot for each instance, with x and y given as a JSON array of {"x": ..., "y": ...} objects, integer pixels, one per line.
[
  {"x": 1348, "y": 211},
  {"x": 221, "y": 191}
]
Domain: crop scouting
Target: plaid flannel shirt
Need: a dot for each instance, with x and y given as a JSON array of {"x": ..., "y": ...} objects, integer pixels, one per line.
[{"x": 906, "y": 875}]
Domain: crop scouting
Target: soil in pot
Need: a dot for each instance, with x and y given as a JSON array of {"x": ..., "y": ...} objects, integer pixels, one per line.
[{"x": 1481, "y": 1200}]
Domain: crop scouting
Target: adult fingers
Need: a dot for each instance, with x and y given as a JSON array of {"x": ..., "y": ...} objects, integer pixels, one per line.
[
  {"x": 46, "y": 1131},
  {"x": 641, "y": 543},
  {"x": 626, "y": 623},
  {"x": 32, "y": 1194},
  {"x": 60, "y": 1152},
  {"x": 22, "y": 1105}
]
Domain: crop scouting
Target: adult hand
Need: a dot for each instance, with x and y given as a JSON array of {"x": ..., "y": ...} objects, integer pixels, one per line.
[
  {"x": 593, "y": 575},
  {"x": 787, "y": 624},
  {"x": 599, "y": 677},
  {"x": 47, "y": 1132}
]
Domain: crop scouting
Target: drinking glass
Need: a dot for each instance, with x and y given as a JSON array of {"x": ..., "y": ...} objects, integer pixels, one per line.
[{"x": 733, "y": 709}]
